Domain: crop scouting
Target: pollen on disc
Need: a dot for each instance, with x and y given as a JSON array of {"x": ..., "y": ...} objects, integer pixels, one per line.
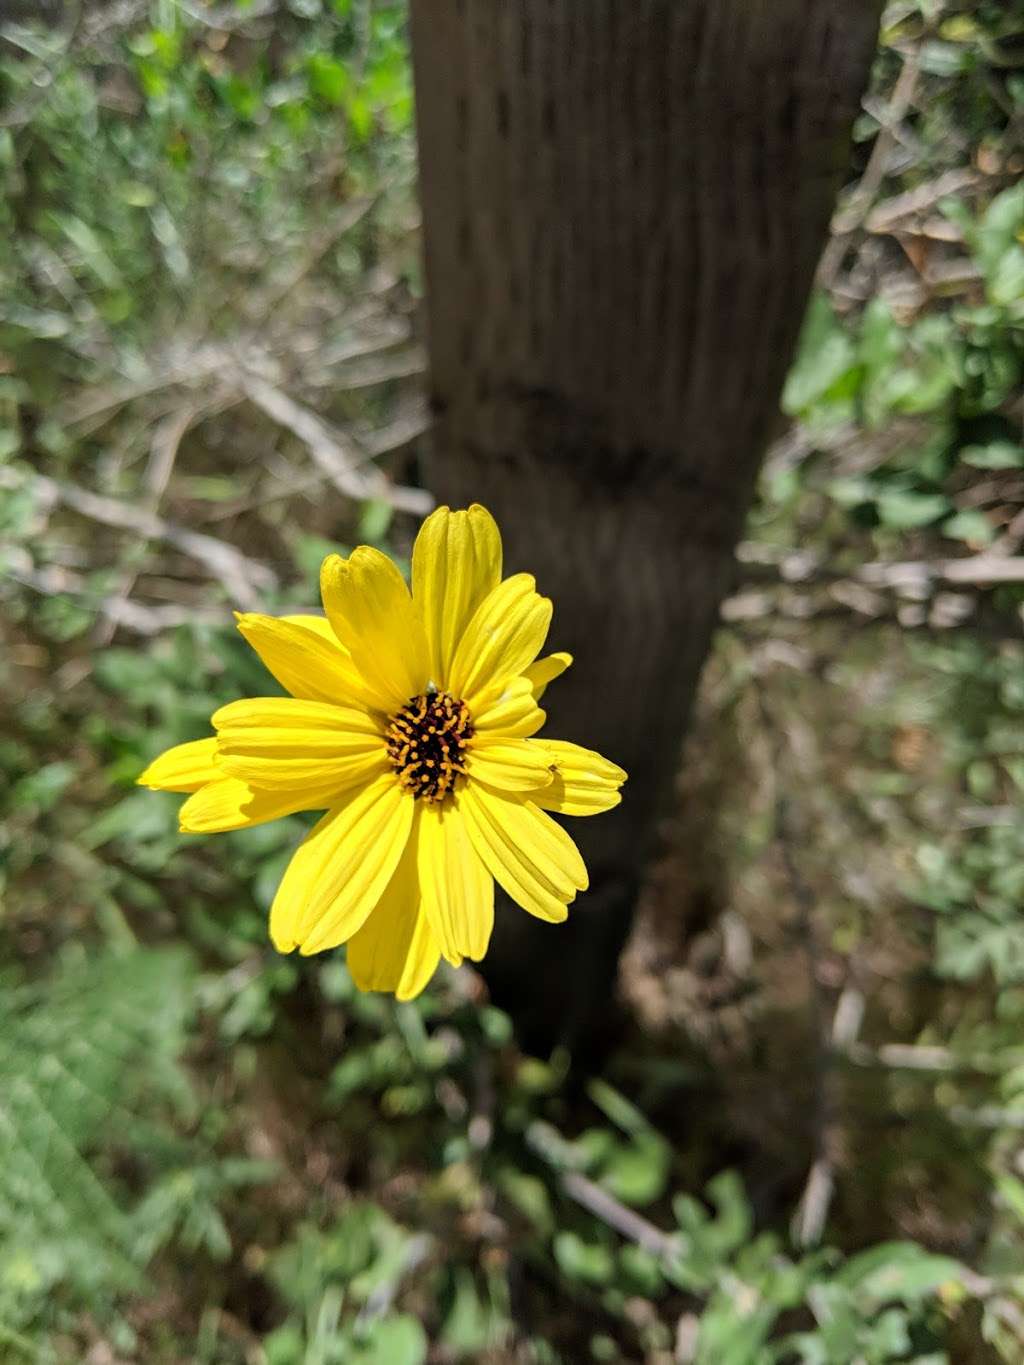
[{"x": 426, "y": 743}]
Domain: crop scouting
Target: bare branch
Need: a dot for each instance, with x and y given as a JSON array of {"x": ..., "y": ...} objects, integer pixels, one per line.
[
  {"x": 855, "y": 210},
  {"x": 602, "y": 1204},
  {"x": 408, "y": 364},
  {"x": 54, "y": 581},
  {"x": 334, "y": 453},
  {"x": 244, "y": 579},
  {"x": 163, "y": 451},
  {"x": 318, "y": 247},
  {"x": 893, "y": 213},
  {"x": 624, "y": 1220}
]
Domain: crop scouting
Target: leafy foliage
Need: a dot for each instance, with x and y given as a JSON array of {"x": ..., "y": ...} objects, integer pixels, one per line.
[
  {"x": 212, "y": 1153},
  {"x": 92, "y": 1053}
]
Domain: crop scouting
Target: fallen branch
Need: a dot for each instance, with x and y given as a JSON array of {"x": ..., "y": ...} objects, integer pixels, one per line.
[
  {"x": 854, "y": 212},
  {"x": 53, "y": 581},
  {"x": 184, "y": 365},
  {"x": 388, "y": 334},
  {"x": 340, "y": 460},
  {"x": 244, "y": 579},
  {"x": 163, "y": 451},
  {"x": 366, "y": 374},
  {"x": 407, "y": 427},
  {"x": 385, "y": 441},
  {"x": 975, "y": 571},
  {"x": 913, "y": 578},
  {"x": 892, "y": 214},
  {"x": 923, "y": 1057}
]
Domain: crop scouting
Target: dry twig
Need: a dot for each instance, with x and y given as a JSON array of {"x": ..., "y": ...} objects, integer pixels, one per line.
[
  {"x": 855, "y": 210},
  {"x": 53, "y": 581},
  {"x": 334, "y": 453},
  {"x": 598, "y": 1201},
  {"x": 244, "y": 579},
  {"x": 166, "y": 439}
]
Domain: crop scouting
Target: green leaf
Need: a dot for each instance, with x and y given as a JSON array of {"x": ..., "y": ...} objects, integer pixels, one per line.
[
  {"x": 309, "y": 552},
  {"x": 905, "y": 510},
  {"x": 137, "y": 194},
  {"x": 86, "y": 1056},
  {"x": 961, "y": 28},
  {"x": 360, "y": 118},
  {"x": 469, "y": 1325},
  {"x": 530, "y": 1196},
  {"x": 91, "y": 250},
  {"x": 995, "y": 455},
  {"x": 1006, "y": 281},
  {"x": 396, "y": 1340},
  {"x": 944, "y": 59},
  {"x": 643, "y": 1269},
  {"x": 375, "y": 518},
  {"x": 851, "y": 492},
  {"x": 637, "y": 1174},
  {"x": 898, "y": 1272},
  {"x": 971, "y": 526},
  {"x": 286, "y": 1345},
  {"x": 826, "y": 369},
  {"x": 591, "y": 1262},
  {"x": 1011, "y": 1191},
  {"x": 999, "y": 229},
  {"x": 328, "y": 79},
  {"x": 43, "y": 787}
]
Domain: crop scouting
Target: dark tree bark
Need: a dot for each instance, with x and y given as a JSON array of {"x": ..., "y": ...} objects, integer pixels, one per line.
[{"x": 624, "y": 202}]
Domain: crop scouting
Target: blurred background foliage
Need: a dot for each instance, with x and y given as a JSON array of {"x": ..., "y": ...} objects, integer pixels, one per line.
[{"x": 807, "y": 1147}]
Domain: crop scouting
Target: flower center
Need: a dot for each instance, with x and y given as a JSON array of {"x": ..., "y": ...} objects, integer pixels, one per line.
[{"x": 426, "y": 741}]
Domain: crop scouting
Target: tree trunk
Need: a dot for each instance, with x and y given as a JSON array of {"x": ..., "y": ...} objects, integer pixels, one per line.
[{"x": 624, "y": 202}]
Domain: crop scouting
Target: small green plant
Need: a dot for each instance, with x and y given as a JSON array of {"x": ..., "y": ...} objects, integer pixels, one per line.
[{"x": 84, "y": 1057}]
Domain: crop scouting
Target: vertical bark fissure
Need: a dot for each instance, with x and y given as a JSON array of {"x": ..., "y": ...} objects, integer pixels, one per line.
[{"x": 623, "y": 205}]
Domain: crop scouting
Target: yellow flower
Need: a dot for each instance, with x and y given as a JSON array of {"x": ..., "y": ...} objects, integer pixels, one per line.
[{"x": 412, "y": 721}]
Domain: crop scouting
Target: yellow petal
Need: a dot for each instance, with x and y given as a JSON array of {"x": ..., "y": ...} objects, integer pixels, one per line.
[
  {"x": 318, "y": 624},
  {"x": 306, "y": 774},
  {"x": 545, "y": 671},
  {"x": 512, "y": 765},
  {"x": 507, "y": 711},
  {"x": 305, "y": 659},
  {"x": 504, "y": 637},
  {"x": 372, "y": 614},
  {"x": 584, "y": 783},
  {"x": 281, "y": 742},
  {"x": 230, "y": 804},
  {"x": 184, "y": 768},
  {"x": 525, "y": 851},
  {"x": 421, "y": 962},
  {"x": 342, "y": 868},
  {"x": 456, "y": 562},
  {"x": 457, "y": 889},
  {"x": 396, "y": 949},
  {"x": 270, "y": 722}
]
